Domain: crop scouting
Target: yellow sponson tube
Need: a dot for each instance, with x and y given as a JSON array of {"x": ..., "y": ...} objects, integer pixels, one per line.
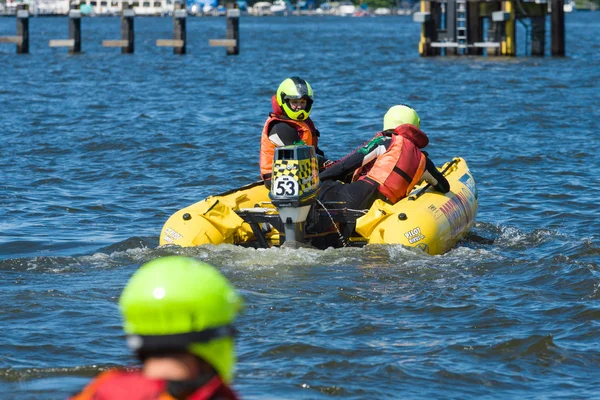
[{"x": 210, "y": 221}]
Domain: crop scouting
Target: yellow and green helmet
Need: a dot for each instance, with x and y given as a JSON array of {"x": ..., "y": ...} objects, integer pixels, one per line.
[
  {"x": 177, "y": 303},
  {"x": 401, "y": 114},
  {"x": 295, "y": 88}
]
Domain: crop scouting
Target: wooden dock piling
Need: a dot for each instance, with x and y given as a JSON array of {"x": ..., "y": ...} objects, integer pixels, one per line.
[
  {"x": 74, "y": 40},
  {"x": 558, "y": 28},
  {"x": 232, "y": 34},
  {"x": 22, "y": 37},
  {"x": 179, "y": 35},
  {"x": 23, "y": 28},
  {"x": 127, "y": 33},
  {"x": 75, "y": 29},
  {"x": 233, "y": 29},
  {"x": 179, "y": 27}
]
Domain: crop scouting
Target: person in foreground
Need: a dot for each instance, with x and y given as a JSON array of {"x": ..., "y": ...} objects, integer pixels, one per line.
[
  {"x": 388, "y": 167},
  {"x": 178, "y": 314},
  {"x": 288, "y": 124}
]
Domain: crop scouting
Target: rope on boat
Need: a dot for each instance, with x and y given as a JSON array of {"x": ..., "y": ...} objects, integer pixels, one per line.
[{"x": 344, "y": 243}]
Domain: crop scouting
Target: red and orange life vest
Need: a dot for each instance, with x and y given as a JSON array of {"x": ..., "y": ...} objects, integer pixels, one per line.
[
  {"x": 119, "y": 384},
  {"x": 399, "y": 169},
  {"x": 306, "y": 131}
]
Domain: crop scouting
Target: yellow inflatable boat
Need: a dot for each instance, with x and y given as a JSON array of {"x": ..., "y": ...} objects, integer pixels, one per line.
[{"x": 254, "y": 216}]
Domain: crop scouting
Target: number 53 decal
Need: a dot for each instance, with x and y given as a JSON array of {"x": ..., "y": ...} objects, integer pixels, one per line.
[{"x": 285, "y": 186}]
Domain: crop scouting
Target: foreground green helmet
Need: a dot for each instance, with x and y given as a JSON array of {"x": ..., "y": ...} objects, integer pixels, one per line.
[
  {"x": 400, "y": 114},
  {"x": 180, "y": 304},
  {"x": 295, "y": 88}
]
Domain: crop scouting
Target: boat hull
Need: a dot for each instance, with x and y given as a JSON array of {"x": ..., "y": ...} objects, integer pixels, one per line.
[
  {"x": 432, "y": 221},
  {"x": 426, "y": 219}
]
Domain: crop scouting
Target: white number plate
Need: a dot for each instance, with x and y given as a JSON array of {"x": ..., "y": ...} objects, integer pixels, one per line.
[{"x": 285, "y": 186}]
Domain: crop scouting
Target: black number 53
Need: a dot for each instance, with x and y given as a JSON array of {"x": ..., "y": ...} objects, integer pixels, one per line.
[{"x": 287, "y": 188}]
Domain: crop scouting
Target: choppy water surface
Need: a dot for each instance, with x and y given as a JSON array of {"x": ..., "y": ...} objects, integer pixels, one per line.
[{"x": 98, "y": 149}]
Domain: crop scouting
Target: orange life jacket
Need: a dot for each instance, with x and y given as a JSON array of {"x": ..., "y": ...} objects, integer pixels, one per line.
[
  {"x": 307, "y": 132},
  {"x": 399, "y": 169},
  {"x": 117, "y": 384}
]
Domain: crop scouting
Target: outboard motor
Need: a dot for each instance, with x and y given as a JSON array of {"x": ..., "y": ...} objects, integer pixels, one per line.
[{"x": 294, "y": 186}]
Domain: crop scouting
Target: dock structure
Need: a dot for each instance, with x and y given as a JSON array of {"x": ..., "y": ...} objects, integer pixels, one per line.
[
  {"x": 468, "y": 27},
  {"x": 74, "y": 40},
  {"x": 232, "y": 41},
  {"x": 179, "y": 30},
  {"x": 127, "y": 34},
  {"x": 22, "y": 37}
]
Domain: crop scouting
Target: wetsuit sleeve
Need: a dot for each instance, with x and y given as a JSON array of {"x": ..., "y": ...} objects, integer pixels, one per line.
[
  {"x": 435, "y": 177},
  {"x": 343, "y": 167},
  {"x": 282, "y": 134},
  {"x": 362, "y": 156}
]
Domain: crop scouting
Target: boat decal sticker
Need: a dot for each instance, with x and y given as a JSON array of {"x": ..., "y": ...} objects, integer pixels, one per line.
[
  {"x": 171, "y": 235},
  {"x": 423, "y": 247},
  {"x": 469, "y": 182},
  {"x": 285, "y": 186},
  {"x": 434, "y": 211},
  {"x": 458, "y": 211},
  {"x": 468, "y": 194},
  {"x": 414, "y": 235}
]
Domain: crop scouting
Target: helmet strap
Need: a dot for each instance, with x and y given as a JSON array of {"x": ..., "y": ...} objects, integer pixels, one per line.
[{"x": 177, "y": 342}]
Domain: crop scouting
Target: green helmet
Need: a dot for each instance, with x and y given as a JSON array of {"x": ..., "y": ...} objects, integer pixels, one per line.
[
  {"x": 295, "y": 88},
  {"x": 400, "y": 114},
  {"x": 177, "y": 303}
]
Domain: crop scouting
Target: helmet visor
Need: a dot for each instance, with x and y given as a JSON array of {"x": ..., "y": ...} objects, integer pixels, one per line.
[{"x": 297, "y": 104}]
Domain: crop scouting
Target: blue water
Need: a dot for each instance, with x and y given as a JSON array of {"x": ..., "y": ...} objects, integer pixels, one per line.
[{"x": 99, "y": 149}]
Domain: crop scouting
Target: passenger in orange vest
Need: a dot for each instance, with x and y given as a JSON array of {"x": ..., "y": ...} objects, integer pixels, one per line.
[
  {"x": 178, "y": 315},
  {"x": 387, "y": 167},
  {"x": 288, "y": 124}
]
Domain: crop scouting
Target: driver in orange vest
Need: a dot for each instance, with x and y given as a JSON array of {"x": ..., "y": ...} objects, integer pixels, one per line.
[
  {"x": 288, "y": 124},
  {"x": 178, "y": 314},
  {"x": 387, "y": 167}
]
